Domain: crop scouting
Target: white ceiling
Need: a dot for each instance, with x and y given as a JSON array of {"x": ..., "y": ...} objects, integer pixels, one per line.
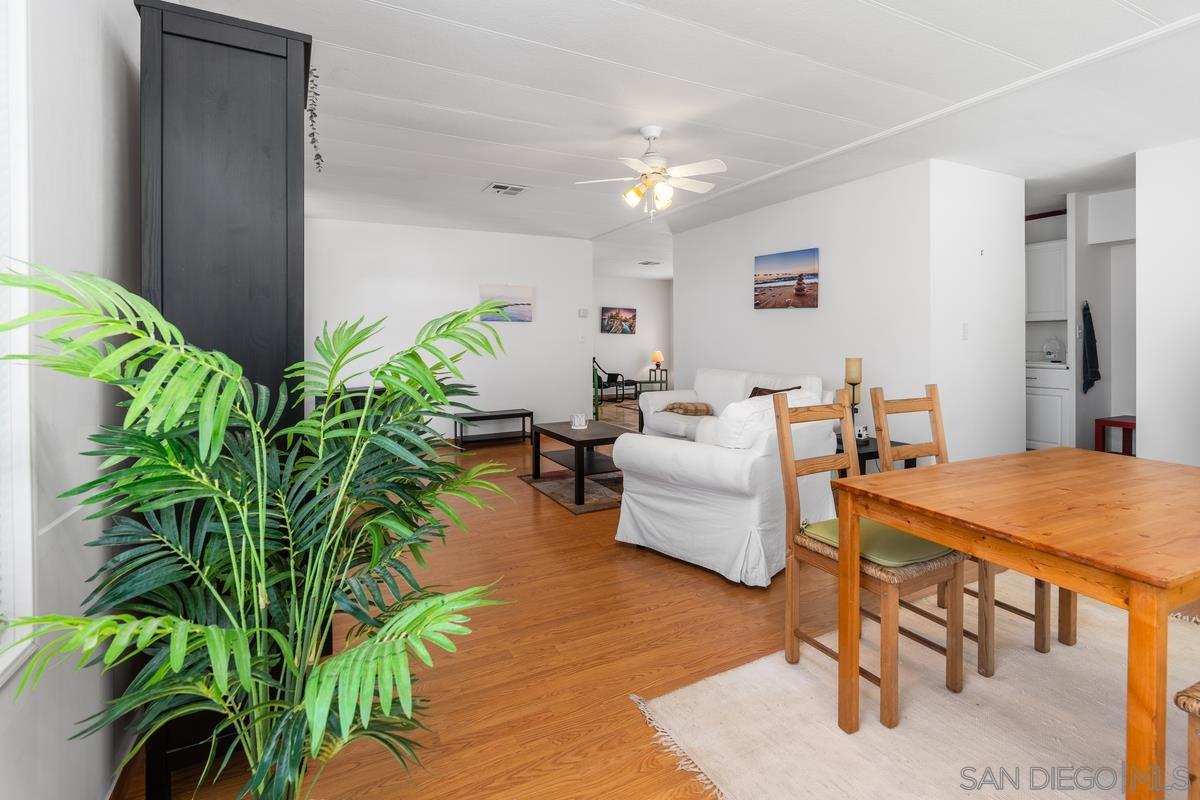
[{"x": 423, "y": 102}]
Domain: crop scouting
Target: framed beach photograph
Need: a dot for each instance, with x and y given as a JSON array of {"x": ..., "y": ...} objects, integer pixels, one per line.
[
  {"x": 518, "y": 302},
  {"x": 787, "y": 280},
  {"x": 618, "y": 320}
]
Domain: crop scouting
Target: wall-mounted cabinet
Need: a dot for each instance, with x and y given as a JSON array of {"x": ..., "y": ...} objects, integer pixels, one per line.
[{"x": 1046, "y": 281}]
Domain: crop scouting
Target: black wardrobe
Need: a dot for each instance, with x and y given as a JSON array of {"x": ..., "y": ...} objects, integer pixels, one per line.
[
  {"x": 223, "y": 153},
  {"x": 223, "y": 149}
]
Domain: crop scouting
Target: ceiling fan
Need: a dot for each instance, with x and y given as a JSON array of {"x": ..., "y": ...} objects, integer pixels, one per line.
[{"x": 657, "y": 180}]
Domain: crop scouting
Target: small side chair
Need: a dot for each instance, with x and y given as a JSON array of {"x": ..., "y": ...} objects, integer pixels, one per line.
[
  {"x": 984, "y": 636},
  {"x": 894, "y": 564}
]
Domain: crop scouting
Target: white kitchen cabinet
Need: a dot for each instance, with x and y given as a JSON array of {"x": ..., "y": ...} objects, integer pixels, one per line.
[
  {"x": 1046, "y": 281},
  {"x": 1049, "y": 408}
]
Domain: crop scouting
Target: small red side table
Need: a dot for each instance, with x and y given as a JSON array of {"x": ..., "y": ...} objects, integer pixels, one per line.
[{"x": 1126, "y": 422}]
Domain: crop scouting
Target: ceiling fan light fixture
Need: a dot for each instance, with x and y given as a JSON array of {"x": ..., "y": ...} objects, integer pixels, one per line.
[
  {"x": 664, "y": 195},
  {"x": 633, "y": 195}
]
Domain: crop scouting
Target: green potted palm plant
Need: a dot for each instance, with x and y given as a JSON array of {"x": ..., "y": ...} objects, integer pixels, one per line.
[{"x": 237, "y": 536}]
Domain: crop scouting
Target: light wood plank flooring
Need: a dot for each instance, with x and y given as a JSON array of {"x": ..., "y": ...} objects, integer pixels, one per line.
[{"x": 536, "y": 702}]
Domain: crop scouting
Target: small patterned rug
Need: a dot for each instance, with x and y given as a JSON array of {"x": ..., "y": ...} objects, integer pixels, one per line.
[{"x": 600, "y": 491}]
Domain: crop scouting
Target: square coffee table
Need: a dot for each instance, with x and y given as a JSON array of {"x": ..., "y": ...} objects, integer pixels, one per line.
[{"x": 582, "y": 458}]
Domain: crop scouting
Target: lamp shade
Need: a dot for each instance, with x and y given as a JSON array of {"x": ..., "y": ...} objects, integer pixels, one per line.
[
  {"x": 633, "y": 195},
  {"x": 657, "y": 358},
  {"x": 853, "y": 371},
  {"x": 663, "y": 194}
]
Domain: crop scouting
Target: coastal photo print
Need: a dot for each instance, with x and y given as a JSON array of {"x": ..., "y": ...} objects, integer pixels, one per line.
[
  {"x": 787, "y": 280},
  {"x": 618, "y": 320},
  {"x": 517, "y": 300}
]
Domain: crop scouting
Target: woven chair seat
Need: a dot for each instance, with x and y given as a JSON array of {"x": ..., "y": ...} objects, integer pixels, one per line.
[
  {"x": 880, "y": 572},
  {"x": 1189, "y": 700}
]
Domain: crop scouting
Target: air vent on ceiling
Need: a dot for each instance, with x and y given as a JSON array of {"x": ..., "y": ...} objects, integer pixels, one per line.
[
  {"x": 506, "y": 189},
  {"x": 649, "y": 263}
]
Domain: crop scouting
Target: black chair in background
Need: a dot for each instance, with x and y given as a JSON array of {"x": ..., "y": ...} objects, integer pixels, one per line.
[{"x": 613, "y": 380}]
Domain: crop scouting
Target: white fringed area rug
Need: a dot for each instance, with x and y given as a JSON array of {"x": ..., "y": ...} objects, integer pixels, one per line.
[{"x": 1045, "y": 726}]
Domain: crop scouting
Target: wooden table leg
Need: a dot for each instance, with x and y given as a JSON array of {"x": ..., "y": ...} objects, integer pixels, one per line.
[
  {"x": 985, "y": 630},
  {"x": 848, "y": 611},
  {"x": 1100, "y": 436},
  {"x": 1127, "y": 441},
  {"x": 1146, "y": 698},
  {"x": 1068, "y": 611},
  {"x": 1041, "y": 616}
]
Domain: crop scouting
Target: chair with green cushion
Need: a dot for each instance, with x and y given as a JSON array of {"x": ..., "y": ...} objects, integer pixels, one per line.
[
  {"x": 894, "y": 564},
  {"x": 889, "y": 454}
]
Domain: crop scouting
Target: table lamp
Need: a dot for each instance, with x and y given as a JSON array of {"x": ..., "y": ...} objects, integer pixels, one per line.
[
  {"x": 853, "y": 381},
  {"x": 657, "y": 358}
]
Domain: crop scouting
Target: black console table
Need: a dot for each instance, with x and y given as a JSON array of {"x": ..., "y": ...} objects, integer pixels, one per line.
[{"x": 462, "y": 438}]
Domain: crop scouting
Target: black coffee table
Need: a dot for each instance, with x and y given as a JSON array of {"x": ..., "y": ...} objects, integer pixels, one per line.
[{"x": 582, "y": 458}]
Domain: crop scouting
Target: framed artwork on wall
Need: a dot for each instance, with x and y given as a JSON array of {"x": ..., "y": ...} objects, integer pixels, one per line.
[
  {"x": 787, "y": 280},
  {"x": 618, "y": 320},
  {"x": 518, "y": 302}
]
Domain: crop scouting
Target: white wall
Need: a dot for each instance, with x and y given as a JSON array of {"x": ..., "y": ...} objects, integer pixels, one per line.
[
  {"x": 977, "y": 280},
  {"x": 1168, "y": 284},
  {"x": 1123, "y": 353},
  {"x": 411, "y": 274},
  {"x": 630, "y": 354},
  {"x": 892, "y": 271},
  {"x": 874, "y": 240},
  {"x": 83, "y": 72},
  {"x": 1093, "y": 284}
]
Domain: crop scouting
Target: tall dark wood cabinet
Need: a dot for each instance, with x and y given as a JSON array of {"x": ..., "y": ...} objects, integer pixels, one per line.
[
  {"x": 223, "y": 153},
  {"x": 223, "y": 148}
]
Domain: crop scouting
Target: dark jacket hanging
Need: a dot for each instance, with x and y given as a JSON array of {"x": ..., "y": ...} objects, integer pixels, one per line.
[{"x": 1091, "y": 358}]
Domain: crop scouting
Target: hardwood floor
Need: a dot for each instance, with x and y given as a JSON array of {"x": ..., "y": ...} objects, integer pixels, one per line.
[
  {"x": 536, "y": 702},
  {"x": 622, "y": 414}
]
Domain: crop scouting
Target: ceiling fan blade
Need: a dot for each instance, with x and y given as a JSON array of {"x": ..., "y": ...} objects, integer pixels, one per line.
[
  {"x": 609, "y": 180},
  {"x": 637, "y": 165},
  {"x": 697, "y": 168},
  {"x": 689, "y": 185}
]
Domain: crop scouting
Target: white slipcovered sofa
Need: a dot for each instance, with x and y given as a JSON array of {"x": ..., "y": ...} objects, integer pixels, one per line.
[
  {"x": 718, "y": 501},
  {"x": 718, "y": 388}
]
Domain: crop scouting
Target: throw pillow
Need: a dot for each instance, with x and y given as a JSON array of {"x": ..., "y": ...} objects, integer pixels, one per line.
[
  {"x": 690, "y": 409},
  {"x": 759, "y": 391}
]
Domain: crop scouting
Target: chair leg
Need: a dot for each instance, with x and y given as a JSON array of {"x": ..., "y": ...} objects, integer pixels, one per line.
[
  {"x": 986, "y": 625},
  {"x": 1193, "y": 757},
  {"x": 1068, "y": 612},
  {"x": 954, "y": 628},
  {"x": 791, "y": 609},
  {"x": 941, "y": 595},
  {"x": 889, "y": 656},
  {"x": 1041, "y": 616}
]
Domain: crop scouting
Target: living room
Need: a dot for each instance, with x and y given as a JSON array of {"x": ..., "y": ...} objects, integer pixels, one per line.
[{"x": 607, "y": 399}]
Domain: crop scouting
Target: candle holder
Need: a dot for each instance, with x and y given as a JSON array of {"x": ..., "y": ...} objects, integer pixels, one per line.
[{"x": 853, "y": 382}]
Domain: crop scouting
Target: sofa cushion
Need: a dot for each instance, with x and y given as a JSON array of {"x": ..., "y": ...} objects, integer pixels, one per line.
[
  {"x": 689, "y": 409},
  {"x": 880, "y": 543},
  {"x": 759, "y": 391},
  {"x": 671, "y": 424},
  {"x": 744, "y": 424},
  {"x": 720, "y": 387}
]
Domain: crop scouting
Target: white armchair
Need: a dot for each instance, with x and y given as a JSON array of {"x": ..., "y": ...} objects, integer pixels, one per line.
[
  {"x": 718, "y": 502},
  {"x": 717, "y": 387}
]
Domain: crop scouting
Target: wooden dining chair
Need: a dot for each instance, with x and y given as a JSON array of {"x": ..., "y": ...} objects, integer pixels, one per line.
[
  {"x": 894, "y": 564},
  {"x": 984, "y": 635},
  {"x": 1189, "y": 700}
]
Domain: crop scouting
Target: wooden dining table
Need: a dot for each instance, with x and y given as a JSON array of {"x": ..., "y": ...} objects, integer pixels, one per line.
[{"x": 1125, "y": 531}]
